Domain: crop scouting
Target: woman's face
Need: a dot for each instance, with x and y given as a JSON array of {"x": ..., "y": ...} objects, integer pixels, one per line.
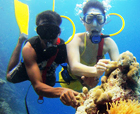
[{"x": 93, "y": 19}]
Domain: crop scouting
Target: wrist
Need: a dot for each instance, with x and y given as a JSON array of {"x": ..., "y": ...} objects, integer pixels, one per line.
[
  {"x": 22, "y": 38},
  {"x": 94, "y": 71}
]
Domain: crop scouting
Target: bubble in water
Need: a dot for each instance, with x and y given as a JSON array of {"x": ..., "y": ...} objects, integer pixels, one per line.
[
  {"x": 106, "y": 4},
  {"x": 78, "y": 8}
]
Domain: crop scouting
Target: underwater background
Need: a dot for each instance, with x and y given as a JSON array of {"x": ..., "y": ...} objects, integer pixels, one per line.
[{"x": 12, "y": 95}]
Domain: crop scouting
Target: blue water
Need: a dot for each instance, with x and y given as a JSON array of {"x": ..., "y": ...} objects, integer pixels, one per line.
[{"x": 128, "y": 39}]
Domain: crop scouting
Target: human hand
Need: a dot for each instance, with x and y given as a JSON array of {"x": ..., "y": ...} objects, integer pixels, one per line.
[
  {"x": 68, "y": 97},
  {"x": 101, "y": 66},
  {"x": 22, "y": 38},
  {"x": 90, "y": 81}
]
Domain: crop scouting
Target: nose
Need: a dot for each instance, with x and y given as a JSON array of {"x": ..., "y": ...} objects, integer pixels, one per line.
[{"x": 94, "y": 22}]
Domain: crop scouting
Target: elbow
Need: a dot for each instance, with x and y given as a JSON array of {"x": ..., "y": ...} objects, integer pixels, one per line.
[
  {"x": 73, "y": 70},
  {"x": 8, "y": 77},
  {"x": 38, "y": 90}
]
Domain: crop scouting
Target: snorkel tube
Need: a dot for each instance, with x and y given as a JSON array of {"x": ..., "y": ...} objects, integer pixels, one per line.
[
  {"x": 123, "y": 24},
  {"x": 73, "y": 25},
  {"x": 97, "y": 38},
  {"x": 74, "y": 30}
]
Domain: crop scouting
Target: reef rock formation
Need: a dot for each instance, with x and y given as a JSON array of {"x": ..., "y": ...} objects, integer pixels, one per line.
[{"x": 121, "y": 82}]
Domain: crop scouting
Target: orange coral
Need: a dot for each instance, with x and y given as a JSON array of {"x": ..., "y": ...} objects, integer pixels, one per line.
[{"x": 124, "y": 107}]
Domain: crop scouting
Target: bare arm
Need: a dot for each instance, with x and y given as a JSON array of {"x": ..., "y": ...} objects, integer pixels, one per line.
[
  {"x": 112, "y": 49},
  {"x": 16, "y": 53},
  {"x": 74, "y": 61},
  {"x": 42, "y": 89}
]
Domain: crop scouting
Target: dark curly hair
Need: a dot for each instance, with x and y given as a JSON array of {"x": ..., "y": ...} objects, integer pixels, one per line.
[
  {"x": 50, "y": 16},
  {"x": 93, "y": 4}
]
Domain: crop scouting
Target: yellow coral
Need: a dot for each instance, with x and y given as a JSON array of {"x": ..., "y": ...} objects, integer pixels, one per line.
[
  {"x": 85, "y": 90},
  {"x": 110, "y": 67},
  {"x": 121, "y": 81},
  {"x": 104, "y": 79},
  {"x": 124, "y": 107},
  {"x": 80, "y": 98}
]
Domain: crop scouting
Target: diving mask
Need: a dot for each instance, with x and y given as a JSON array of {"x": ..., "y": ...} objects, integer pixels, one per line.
[
  {"x": 48, "y": 31},
  {"x": 89, "y": 18}
]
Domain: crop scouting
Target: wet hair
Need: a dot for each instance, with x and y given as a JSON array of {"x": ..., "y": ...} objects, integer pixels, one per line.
[
  {"x": 49, "y": 16},
  {"x": 93, "y": 4}
]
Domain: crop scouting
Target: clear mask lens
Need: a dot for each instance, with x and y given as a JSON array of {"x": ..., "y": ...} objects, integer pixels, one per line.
[{"x": 89, "y": 18}]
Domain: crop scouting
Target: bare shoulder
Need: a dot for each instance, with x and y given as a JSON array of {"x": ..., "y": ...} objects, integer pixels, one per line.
[
  {"x": 28, "y": 51},
  {"x": 27, "y": 47},
  {"x": 78, "y": 38},
  {"x": 73, "y": 47},
  {"x": 109, "y": 42},
  {"x": 80, "y": 35}
]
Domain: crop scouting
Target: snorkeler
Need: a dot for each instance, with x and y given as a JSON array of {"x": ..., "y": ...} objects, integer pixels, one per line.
[
  {"x": 86, "y": 51},
  {"x": 41, "y": 56}
]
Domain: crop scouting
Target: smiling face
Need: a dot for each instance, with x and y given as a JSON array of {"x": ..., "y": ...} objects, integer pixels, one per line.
[{"x": 95, "y": 17}]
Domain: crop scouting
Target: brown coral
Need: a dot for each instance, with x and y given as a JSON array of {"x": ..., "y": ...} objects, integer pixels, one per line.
[
  {"x": 111, "y": 66},
  {"x": 120, "y": 82}
]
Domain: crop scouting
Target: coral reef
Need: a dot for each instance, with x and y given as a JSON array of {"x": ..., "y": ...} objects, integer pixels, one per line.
[
  {"x": 11, "y": 101},
  {"x": 2, "y": 81},
  {"x": 124, "y": 107},
  {"x": 120, "y": 82},
  {"x": 4, "y": 107}
]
